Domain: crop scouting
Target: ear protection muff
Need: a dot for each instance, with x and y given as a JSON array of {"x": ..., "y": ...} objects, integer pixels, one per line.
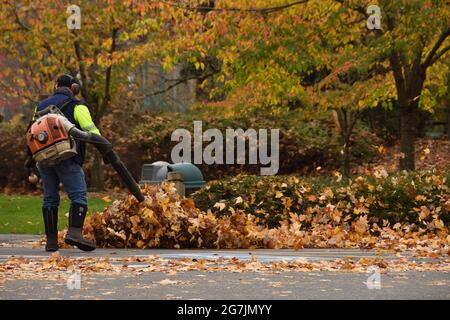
[{"x": 75, "y": 88}]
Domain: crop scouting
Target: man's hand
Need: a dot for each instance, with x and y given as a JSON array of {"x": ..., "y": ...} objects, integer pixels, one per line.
[{"x": 33, "y": 178}]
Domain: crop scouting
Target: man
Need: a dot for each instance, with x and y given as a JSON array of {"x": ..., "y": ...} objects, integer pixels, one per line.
[{"x": 69, "y": 171}]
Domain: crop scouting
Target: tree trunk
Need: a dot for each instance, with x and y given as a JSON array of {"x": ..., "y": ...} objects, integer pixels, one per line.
[
  {"x": 346, "y": 164},
  {"x": 345, "y": 121},
  {"x": 447, "y": 101},
  {"x": 448, "y": 118},
  {"x": 97, "y": 173},
  {"x": 408, "y": 119}
]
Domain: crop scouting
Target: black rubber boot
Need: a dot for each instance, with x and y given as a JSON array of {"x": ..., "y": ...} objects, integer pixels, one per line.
[
  {"x": 74, "y": 235},
  {"x": 50, "y": 215}
]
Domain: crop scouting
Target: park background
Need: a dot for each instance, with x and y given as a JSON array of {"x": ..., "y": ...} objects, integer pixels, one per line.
[{"x": 351, "y": 102}]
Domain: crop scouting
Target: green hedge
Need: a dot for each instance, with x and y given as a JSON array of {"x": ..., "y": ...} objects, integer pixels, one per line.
[{"x": 418, "y": 198}]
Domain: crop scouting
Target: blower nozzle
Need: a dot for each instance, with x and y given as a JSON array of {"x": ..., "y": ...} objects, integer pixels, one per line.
[{"x": 105, "y": 149}]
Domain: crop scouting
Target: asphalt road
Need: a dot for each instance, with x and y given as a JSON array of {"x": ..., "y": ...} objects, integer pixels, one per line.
[{"x": 223, "y": 285}]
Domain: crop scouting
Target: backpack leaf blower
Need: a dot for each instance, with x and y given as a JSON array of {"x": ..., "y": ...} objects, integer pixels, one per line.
[{"x": 51, "y": 139}]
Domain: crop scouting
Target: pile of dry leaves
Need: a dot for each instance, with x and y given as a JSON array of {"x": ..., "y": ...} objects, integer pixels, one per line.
[{"x": 166, "y": 220}]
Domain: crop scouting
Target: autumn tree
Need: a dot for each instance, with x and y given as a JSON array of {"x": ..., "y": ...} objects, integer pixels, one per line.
[
  {"x": 414, "y": 38},
  {"x": 274, "y": 54},
  {"x": 113, "y": 38},
  {"x": 277, "y": 52}
]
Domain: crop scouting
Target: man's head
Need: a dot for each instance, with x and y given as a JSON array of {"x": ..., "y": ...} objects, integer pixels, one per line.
[{"x": 67, "y": 81}]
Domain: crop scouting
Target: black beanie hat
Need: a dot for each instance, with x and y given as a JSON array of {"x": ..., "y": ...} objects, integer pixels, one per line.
[{"x": 64, "y": 81}]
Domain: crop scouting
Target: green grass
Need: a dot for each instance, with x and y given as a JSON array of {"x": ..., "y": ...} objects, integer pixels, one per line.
[{"x": 22, "y": 214}]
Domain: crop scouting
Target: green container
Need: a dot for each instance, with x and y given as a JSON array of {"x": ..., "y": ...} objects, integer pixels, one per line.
[{"x": 156, "y": 173}]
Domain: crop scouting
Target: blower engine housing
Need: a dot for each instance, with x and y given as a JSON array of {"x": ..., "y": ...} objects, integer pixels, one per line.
[{"x": 49, "y": 140}]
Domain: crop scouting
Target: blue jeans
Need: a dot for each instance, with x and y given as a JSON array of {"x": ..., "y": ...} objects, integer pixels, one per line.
[{"x": 71, "y": 175}]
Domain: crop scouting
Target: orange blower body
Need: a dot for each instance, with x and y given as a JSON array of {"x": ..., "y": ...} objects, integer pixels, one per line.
[{"x": 49, "y": 141}]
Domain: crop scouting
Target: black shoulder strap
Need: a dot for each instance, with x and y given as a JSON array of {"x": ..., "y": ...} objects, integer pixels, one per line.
[{"x": 65, "y": 104}]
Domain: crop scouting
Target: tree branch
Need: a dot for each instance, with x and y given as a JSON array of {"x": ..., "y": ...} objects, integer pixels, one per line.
[
  {"x": 107, "y": 96},
  {"x": 25, "y": 28},
  {"x": 398, "y": 75},
  {"x": 429, "y": 59},
  {"x": 355, "y": 118},
  {"x": 439, "y": 55},
  {"x": 18, "y": 21},
  {"x": 414, "y": 69},
  {"x": 361, "y": 9},
  {"x": 82, "y": 69},
  {"x": 251, "y": 10},
  {"x": 180, "y": 81}
]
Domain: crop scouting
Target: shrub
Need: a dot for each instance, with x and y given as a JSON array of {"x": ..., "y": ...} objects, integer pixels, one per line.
[
  {"x": 421, "y": 198},
  {"x": 12, "y": 156}
]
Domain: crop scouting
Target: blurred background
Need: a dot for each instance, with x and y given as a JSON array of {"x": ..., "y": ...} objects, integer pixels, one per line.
[{"x": 347, "y": 96}]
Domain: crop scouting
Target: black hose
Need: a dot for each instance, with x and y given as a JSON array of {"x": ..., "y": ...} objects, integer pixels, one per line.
[
  {"x": 105, "y": 148},
  {"x": 118, "y": 165},
  {"x": 99, "y": 142}
]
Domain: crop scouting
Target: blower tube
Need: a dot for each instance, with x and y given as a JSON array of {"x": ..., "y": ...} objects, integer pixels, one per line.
[{"x": 105, "y": 148}]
